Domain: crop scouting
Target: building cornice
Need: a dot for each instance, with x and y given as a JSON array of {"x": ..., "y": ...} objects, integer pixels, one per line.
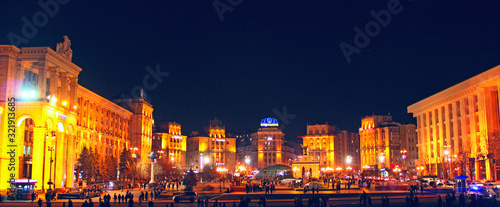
[
  {"x": 105, "y": 103},
  {"x": 466, "y": 87},
  {"x": 11, "y": 50},
  {"x": 51, "y": 57}
]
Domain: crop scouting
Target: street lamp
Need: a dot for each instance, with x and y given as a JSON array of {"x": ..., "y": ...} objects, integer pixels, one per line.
[
  {"x": 221, "y": 170},
  {"x": 51, "y": 149},
  {"x": 405, "y": 168},
  {"x": 446, "y": 154},
  {"x": 48, "y": 135},
  {"x": 420, "y": 169},
  {"x": 348, "y": 160},
  {"x": 135, "y": 156}
]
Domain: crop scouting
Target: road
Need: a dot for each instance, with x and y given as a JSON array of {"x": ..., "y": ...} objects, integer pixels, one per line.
[{"x": 399, "y": 201}]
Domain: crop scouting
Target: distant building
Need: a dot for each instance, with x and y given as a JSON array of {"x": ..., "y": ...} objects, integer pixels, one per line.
[
  {"x": 330, "y": 147},
  {"x": 270, "y": 142},
  {"x": 348, "y": 153},
  {"x": 172, "y": 144},
  {"x": 213, "y": 148},
  {"x": 387, "y": 146}
]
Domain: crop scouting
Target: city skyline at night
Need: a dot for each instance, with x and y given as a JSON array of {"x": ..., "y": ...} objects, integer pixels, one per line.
[{"x": 264, "y": 57}]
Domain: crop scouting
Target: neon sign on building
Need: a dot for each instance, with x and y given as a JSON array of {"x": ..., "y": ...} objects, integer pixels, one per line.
[{"x": 269, "y": 122}]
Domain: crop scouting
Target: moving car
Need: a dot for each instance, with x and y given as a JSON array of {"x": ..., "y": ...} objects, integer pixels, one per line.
[{"x": 186, "y": 196}]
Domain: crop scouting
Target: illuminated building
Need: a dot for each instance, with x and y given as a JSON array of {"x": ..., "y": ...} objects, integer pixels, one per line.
[
  {"x": 214, "y": 148},
  {"x": 269, "y": 143},
  {"x": 330, "y": 147},
  {"x": 246, "y": 150},
  {"x": 385, "y": 144},
  {"x": 458, "y": 128},
  {"x": 347, "y": 153},
  {"x": 55, "y": 117},
  {"x": 319, "y": 144},
  {"x": 172, "y": 144}
]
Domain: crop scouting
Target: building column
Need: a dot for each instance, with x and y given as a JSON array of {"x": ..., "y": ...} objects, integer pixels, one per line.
[
  {"x": 59, "y": 159},
  {"x": 42, "y": 82},
  {"x": 38, "y": 154},
  {"x": 64, "y": 88},
  {"x": 20, "y": 77},
  {"x": 54, "y": 82}
]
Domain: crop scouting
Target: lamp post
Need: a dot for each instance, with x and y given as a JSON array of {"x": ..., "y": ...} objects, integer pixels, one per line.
[
  {"x": 420, "y": 169},
  {"x": 134, "y": 155},
  {"x": 348, "y": 160},
  {"x": 381, "y": 159},
  {"x": 47, "y": 136},
  {"x": 51, "y": 149},
  {"x": 247, "y": 162},
  {"x": 221, "y": 170},
  {"x": 403, "y": 156},
  {"x": 446, "y": 154}
]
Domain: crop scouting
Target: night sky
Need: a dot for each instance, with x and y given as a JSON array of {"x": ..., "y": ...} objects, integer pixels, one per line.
[{"x": 269, "y": 54}]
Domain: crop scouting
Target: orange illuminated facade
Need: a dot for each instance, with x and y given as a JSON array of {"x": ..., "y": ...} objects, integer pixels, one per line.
[
  {"x": 55, "y": 117},
  {"x": 214, "y": 149},
  {"x": 330, "y": 147},
  {"x": 320, "y": 143},
  {"x": 270, "y": 141},
  {"x": 458, "y": 128},
  {"x": 173, "y": 144},
  {"x": 385, "y": 144}
]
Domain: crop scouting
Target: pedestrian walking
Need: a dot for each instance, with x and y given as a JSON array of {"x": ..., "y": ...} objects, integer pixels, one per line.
[
  {"x": 416, "y": 201},
  {"x": 387, "y": 202},
  {"x": 48, "y": 202},
  {"x": 461, "y": 200},
  {"x": 131, "y": 203},
  {"x": 440, "y": 201},
  {"x": 150, "y": 204}
]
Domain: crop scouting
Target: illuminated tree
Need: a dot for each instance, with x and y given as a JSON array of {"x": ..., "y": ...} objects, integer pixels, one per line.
[
  {"x": 126, "y": 164},
  {"x": 88, "y": 164},
  {"x": 109, "y": 166}
]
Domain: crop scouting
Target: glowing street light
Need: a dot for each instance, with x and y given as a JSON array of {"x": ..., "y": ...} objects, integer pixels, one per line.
[
  {"x": 221, "y": 170},
  {"x": 348, "y": 160}
]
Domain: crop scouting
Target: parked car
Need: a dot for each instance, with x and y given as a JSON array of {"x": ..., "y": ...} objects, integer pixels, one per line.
[
  {"x": 476, "y": 184},
  {"x": 313, "y": 185},
  {"x": 481, "y": 191},
  {"x": 186, "y": 196}
]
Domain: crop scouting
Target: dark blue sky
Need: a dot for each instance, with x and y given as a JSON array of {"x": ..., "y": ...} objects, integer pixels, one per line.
[{"x": 270, "y": 54}]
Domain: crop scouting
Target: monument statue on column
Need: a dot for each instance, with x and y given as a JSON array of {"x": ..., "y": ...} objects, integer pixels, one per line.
[{"x": 152, "y": 184}]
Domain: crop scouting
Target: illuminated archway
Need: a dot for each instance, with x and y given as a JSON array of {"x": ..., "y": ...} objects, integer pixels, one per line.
[
  {"x": 26, "y": 136},
  {"x": 49, "y": 125},
  {"x": 21, "y": 118},
  {"x": 60, "y": 127}
]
